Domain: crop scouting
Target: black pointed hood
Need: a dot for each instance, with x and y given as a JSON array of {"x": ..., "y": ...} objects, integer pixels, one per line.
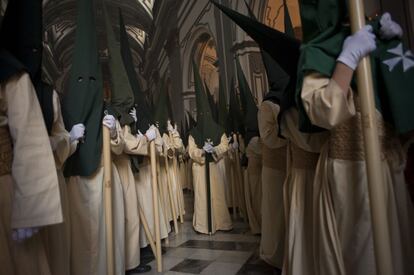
[
  {"x": 222, "y": 108},
  {"x": 285, "y": 50},
  {"x": 235, "y": 118}
]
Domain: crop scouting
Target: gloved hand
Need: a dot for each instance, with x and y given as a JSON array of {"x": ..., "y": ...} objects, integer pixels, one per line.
[
  {"x": 22, "y": 234},
  {"x": 139, "y": 134},
  {"x": 77, "y": 132},
  {"x": 151, "y": 134},
  {"x": 133, "y": 113},
  {"x": 170, "y": 128},
  {"x": 110, "y": 122},
  {"x": 235, "y": 145},
  {"x": 389, "y": 28},
  {"x": 175, "y": 128},
  {"x": 208, "y": 148},
  {"x": 357, "y": 46}
]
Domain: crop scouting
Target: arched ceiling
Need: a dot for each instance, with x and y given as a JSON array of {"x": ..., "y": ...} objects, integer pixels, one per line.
[{"x": 59, "y": 18}]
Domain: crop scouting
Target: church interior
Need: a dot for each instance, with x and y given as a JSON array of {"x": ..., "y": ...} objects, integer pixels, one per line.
[{"x": 176, "y": 47}]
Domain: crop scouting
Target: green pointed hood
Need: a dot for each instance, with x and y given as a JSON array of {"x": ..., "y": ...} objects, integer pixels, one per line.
[
  {"x": 222, "y": 108},
  {"x": 206, "y": 128},
  {"x": 122, "y": 97},
  {"x": 235, "y": 118},
  {"x": 191, "y": 121},
  {"x": 161, "y": 109},
  {"x": 141, "y": 104},
  {"x": 248, "y": 105},
  {"x": 83, "y": 102},
  {"x": 212, "y": 103}
]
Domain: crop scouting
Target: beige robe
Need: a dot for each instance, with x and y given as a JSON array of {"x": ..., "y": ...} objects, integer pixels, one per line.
[
  {"x": 220, "y": 214},
  {"x": 273, "y": 176},
  {"x": 132, "y": 223},
  {"x": 57, "y": 237},
  {"x": 253, "y": 185},
  {"x": 302, "y": 158},
  {"x": 29, "y": 189},
  {"x": 341, "y": 192},
  {"x": 88, "y": 241},
  {"x": 138, "y": 145}
]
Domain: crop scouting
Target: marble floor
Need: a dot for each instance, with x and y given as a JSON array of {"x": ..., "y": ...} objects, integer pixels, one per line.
[{"x": 224, "y": 253}]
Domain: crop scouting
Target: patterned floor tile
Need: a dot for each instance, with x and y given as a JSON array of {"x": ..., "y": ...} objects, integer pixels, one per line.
[
  {"x": 205, "y": 254},
  {"x": 234, "y": 256},
  {"x": 220, "y": 245},
  {"x": 219, "y": 268},
  {"x": 191, "y": 266}
]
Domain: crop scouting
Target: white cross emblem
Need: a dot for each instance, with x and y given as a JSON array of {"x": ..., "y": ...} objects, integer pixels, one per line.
[{"x": 405, "y": 58}]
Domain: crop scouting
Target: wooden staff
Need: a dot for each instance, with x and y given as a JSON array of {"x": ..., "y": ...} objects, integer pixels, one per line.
[
  {"x": 241, "y": 181},
  {"x": 180, "y": 190},
  {"x": 147, "y": 230},
  {"x": 162, "y": 201},
  {"x": 158, "y": 254},
  {"x": 170, "y": 193},
  {"x": 110, "y": 262},
  {"x": 376, "y": 187}
]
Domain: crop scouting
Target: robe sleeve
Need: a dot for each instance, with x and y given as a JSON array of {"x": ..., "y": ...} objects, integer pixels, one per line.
[
  {"x": 324, "y": 101},
  {"x": 195, "y": 153},
  {"x": 36, "y": 198},
  {"x": 222, "y": 148},
  {"x": 117, "y": 142},
  {"x": 269, "y": 126},
  {"x": 134, "y": 145},
  {"x": 177, "y": 142},
  {"x": 60, "y": 138}
]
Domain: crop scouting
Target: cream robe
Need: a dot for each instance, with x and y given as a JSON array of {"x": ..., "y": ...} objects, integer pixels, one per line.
[
  {"x": 220, "y": 214},
  {"x": 57, "y": 237},
  {"x": 341, "y": 193},
  {"x": 138, "y": 145},
  {"x": 303, "y": 155},
  {"x": 273, "y": 176},
  {"x": 132, "y": 223},
  {"x": 253, "y": 185},
  {"x": 88, "y": 242},
  {"x": 29, "y": 196}
]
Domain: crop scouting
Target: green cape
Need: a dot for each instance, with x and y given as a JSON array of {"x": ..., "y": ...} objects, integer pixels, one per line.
[
  {"x": 324, "y": 33},
  {"x": 83, "y": 102}
]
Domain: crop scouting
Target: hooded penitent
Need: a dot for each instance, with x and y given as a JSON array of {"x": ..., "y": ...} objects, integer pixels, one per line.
[
  {"x": 161, "y": 114},
  {"x": 21, "y": 35},
  {"x": 122, "y": 97},
  {"x": 324, "y": 32},
  {"x": 248, "y": 105},
  {"x": 280, "y": 52},
  {"x": 206, "y": 129},
  {"x": 235, "y": 117},
  {"x": 141, "y": 103},
  {"x": 83, "y": 102}
]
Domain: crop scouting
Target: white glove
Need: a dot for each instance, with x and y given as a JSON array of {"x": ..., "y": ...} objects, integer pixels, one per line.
[
  {"x": 151, "y": 134},
  {"x": 133, "y": 113},
  {"x": 208, "y": 148},
  {"x": 110, "y": 122},
  {"x": 235, "y": 145},
  {"x": 357, "y": 46},
  {"x": 139, "y": 134},
  {"x": 22, "y": 234},
  {"x": 170, "y": 128},
  {"x": 77, "y": 132},
  {"x": 389, "y": 28}
]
